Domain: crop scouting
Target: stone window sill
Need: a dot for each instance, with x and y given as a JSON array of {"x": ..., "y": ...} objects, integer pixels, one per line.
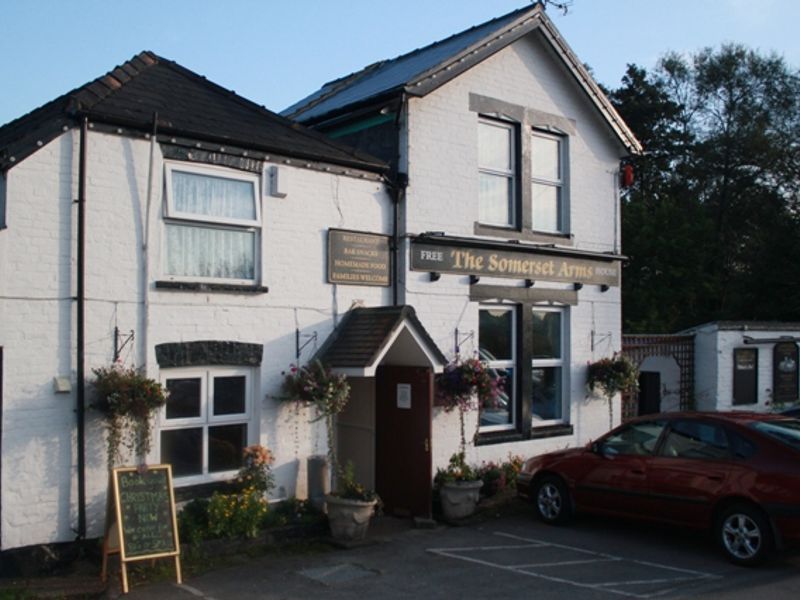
[{"x": 196, "y": 286}]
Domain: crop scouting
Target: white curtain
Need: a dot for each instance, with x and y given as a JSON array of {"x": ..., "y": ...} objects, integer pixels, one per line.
[
  {"x": 213, "y": 196},
  {"x": 210, "y": 252}
]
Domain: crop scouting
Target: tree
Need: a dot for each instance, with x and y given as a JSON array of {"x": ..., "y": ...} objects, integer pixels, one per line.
[{"x": 713, "y": 217}]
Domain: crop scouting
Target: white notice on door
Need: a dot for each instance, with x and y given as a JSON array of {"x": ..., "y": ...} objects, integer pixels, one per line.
[{"x": 403, "y": 395}]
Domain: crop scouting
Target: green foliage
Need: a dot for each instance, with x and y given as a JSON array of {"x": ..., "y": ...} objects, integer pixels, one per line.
[
  {"x": 128, "y": 400},
  {"x": 256, "y": 473},
  {"x": 493, "y": 477},
  {"x": 713, "y": 215},
  {"x": 193, "y": 522},
  {"x": 611, "y": 376},
  {"x": 457, "y": 470},
  {"x": 512, "y": 468},
  {"x": 292, "y": 512},
  {"x": 347, "y": 487},
  {"x": 236, "y": 515}
]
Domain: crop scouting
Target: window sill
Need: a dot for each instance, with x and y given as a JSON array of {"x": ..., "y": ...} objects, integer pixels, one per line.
[
  {"x": 203, "y": 490},
  {"x": 548, "y": 431},
  {"x": 509, "y": 233},
  {"x": 498, "y": 437},
  {"x": 196, "y": 286}
]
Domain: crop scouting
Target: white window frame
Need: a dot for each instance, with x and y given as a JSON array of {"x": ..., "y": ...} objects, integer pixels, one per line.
[
  {"x": 172, "y": 216},
  {"x": 510, "y": 174},
  {"x": 562, "y": 362},
  {"x": 207, "y": 418},
  {"x": 558, "y": 184},
  {"x": 513, "y": 363}
]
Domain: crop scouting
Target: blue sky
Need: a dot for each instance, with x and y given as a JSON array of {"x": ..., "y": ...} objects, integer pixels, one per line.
[{"x": 275, "y": 52}]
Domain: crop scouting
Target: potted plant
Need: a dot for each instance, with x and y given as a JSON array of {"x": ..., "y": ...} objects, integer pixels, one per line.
[
  {"x": 128, "y": 400},
  {"x": 611, "y": 376},
  {"x": 350, "y": 507},
  {"x": 459, "y": 488}
]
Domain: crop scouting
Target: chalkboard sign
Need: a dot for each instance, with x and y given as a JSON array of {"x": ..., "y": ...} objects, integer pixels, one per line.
[
  {"x": 140, "y": 518},
  {"x": 145, "y": 512}
]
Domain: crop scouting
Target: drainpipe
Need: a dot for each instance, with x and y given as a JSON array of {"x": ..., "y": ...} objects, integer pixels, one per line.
[
  {"x": 397, "y": 185},
  {"x": 146, "y": 245},
  {"x": 81, "y": 308}
]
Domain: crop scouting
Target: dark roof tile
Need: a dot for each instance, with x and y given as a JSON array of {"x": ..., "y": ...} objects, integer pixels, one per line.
[
  {"x": 363, "y": 333},
  {"x": 187, "y": 104}
]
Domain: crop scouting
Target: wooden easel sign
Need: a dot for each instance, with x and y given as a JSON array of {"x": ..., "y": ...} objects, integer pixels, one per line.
[{"x": 140, "y": 521}]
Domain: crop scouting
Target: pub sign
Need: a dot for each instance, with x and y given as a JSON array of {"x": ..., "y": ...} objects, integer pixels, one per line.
[
  {"x": 358, "y": 258},
  {"x": 514, "y": 264}
]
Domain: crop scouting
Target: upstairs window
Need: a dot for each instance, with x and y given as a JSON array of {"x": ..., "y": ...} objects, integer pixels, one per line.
[
  {"x": 547, "y": 183},
  {"x": 497, "y": 166},
  {"x": 212, "y": 224}
]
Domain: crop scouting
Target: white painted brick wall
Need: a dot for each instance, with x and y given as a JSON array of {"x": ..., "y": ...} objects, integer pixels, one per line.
[
  {"x": 37, "y": 328},
  {"x": 443, "y": 196},
  {"x": 714, "y": 366}
]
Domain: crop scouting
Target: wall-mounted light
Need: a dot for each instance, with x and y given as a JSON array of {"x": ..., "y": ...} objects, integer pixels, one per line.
[{"x": 435, "y": 276}]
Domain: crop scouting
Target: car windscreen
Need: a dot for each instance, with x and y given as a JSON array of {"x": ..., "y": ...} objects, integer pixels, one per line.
[{"x": 785, "y": 430}]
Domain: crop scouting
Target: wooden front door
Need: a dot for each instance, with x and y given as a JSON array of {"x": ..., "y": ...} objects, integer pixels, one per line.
[{"x": 403, "y": 401}]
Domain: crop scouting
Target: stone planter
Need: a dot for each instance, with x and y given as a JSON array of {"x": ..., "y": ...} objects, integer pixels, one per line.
[
  {"x": 459, "y": 498},
  {"x": 349, "y": 519}
]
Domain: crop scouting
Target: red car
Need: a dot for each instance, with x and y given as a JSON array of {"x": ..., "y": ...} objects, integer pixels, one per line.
[{"x": 735, "y": 473}]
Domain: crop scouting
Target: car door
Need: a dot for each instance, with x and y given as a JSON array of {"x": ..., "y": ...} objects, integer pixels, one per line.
[
  {"x": 617, "y": 481},
  {"x": 693, "y": 467}
]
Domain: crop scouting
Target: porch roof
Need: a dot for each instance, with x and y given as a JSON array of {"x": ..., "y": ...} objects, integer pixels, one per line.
[{"x": 366, "y": 335}]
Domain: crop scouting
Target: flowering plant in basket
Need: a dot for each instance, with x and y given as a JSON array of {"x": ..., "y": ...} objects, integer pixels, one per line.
[
  {"x": 327, "y": 391},
  {"x": 461, "y": 381},
  {"x": 459, "y": 384},
  {"x": 611, "y": 376},
  {"x": 317, "y": 385},
  {"x": 128, "y": 400}
]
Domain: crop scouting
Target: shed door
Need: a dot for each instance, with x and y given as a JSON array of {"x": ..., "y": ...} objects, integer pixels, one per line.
[
  {"x": 649, "y": 392},
  {"x": 402, "y": 439},
  {"x": 745, "y": 375}
]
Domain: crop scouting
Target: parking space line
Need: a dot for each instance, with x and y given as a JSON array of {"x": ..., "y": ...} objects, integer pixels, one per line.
[
  {"x": 688, "y": 575},
  {"x": 564, "y": 563},
  {"x": 699, "y": 574}
]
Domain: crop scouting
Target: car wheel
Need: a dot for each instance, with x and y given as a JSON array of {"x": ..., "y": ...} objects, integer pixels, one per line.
[
  {"x": 552, "y": 500},
  {"x": 744, "y": 535}
]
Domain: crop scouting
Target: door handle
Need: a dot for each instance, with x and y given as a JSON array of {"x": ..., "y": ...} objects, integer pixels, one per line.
[
  {"x": 427, "y": 445},
  {"x": 714, "y": 477},
  {"x": 637, "y": 471}
]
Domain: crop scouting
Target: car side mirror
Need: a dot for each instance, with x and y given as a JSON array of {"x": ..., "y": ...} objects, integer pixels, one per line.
[{"x": 597, "y": 448}]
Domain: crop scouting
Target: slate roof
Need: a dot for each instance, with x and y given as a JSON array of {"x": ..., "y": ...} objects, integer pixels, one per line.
[
  {"x": 187, "y": 104},
  {"x": 363, "y": 333},
  {"x": 424, "y": 70}
]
